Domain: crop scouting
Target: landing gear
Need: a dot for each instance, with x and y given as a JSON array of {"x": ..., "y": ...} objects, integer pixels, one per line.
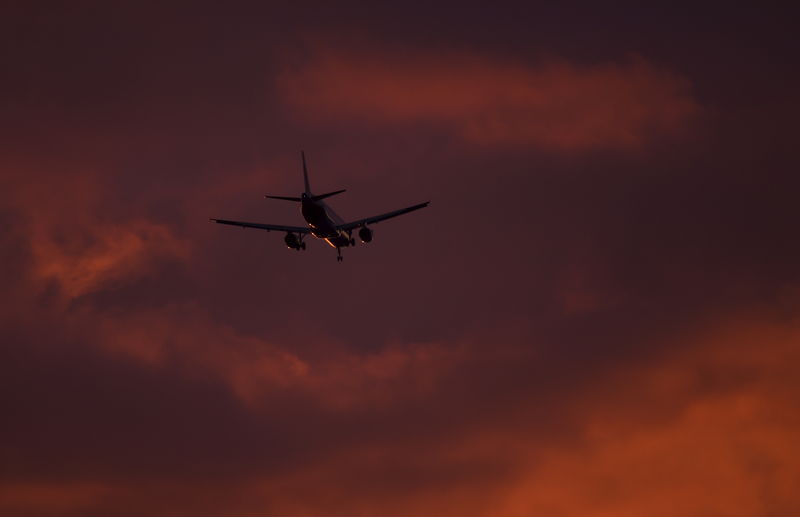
[
  {"x": 294, "y": 242},
  {"x": 339, "y": 254},
  {"x": 352, "y": 241}
]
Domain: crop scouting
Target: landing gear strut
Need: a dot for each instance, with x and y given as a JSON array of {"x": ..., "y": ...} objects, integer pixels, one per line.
[{"x": 338, "y": 254}]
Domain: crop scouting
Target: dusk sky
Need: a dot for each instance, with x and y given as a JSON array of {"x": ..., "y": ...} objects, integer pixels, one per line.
[{"x": 598, "y": 315}]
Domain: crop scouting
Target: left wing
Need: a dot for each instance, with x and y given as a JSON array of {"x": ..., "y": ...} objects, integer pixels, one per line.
[
  {"x": 379, "y": 218},
  {"x": 268, "y": 227}
]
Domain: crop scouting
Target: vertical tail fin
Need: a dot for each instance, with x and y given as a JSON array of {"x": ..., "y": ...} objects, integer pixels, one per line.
[{"x": 305, "y": 173}]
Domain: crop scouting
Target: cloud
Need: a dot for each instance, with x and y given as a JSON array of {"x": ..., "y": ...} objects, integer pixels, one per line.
[
  {"x": 256, "y": 370},
  {"x": 542, "y": 358},
  {"x": 76, "y": 240},
  {"x": 489, "y": 423},
  {"x": 703, "y": 425},
  {"x": 705, "y": 430},
  {"x": 552, "y": 104},
  {"x": 110, "y": 254},
  {"x": 50, "y": 498}
]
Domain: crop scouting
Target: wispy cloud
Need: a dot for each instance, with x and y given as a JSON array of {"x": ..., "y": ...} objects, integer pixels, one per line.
[{"x": 552, "y": 104}]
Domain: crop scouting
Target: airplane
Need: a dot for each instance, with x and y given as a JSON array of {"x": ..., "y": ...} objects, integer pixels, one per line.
[{"x": 322, "y": 222}]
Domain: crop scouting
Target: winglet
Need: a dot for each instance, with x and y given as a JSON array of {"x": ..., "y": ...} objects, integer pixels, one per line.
[{"x": 305, "y": 173}]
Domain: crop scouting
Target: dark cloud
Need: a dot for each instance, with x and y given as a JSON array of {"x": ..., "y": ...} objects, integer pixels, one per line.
[{"x": 590, "y": 318}]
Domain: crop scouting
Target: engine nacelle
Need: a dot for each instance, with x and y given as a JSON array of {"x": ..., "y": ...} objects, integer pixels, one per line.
[
  {"x": 365, "y": 234},
  {"x": 292, "y": 241}
]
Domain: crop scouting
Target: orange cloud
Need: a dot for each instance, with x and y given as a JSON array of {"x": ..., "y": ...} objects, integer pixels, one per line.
[
  {"x": 554, "y": 104},
  {"x": 74, "y": 242},
  {"x": 50, "y": 498},
  {"x": 706, "y": 427},
  {"x": 109, "y": 254},
  {"x": 254, "y": 368},
  {"x": 707, "y": 431}
]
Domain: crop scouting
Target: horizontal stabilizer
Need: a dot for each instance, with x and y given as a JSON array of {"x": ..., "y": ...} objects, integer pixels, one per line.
[
  {"x": 329, "y": 194},
  {"x": 285, "y": 198}
]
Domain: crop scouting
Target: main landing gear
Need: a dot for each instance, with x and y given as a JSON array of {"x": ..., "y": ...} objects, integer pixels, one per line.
[{"x": 339, "y": 254}]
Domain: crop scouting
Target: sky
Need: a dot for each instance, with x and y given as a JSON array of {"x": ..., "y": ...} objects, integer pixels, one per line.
[{"x": 596, "y": 316}]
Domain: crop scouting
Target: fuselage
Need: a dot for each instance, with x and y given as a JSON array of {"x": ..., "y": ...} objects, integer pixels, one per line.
[{"x": 323, "y": 221}]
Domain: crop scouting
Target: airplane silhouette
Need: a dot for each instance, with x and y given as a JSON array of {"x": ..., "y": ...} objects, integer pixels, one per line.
[{"x": 322, "y": 221}]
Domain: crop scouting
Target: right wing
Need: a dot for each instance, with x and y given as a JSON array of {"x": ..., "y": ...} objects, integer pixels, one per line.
[
  {"x": 268, "y": 227},
  {"x": 382, "y": 217}
]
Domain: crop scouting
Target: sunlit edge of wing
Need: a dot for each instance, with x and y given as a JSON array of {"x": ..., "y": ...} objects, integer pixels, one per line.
[
  {"x": 267, "y": 227},
  {"x": 378, "y": 218}
]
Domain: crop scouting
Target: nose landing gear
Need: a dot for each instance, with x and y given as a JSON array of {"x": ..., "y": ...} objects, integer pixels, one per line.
[{"x": 339, "y": 254}]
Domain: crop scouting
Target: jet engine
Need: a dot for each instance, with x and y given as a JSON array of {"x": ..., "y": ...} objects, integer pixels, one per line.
[
  {"x": 293, "y": 242},
  {"x": 365, "y": 234}
]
